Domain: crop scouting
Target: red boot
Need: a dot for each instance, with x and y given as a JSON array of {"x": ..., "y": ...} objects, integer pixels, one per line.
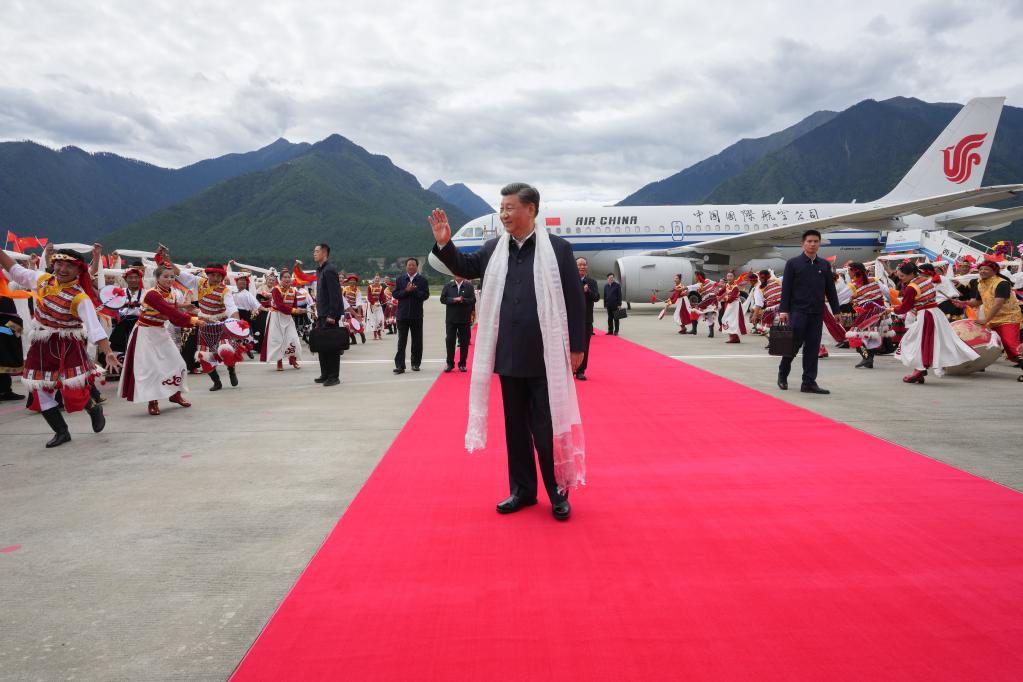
[
  {"x": 280, "y": 365},
  {"x": 733, "y": 338},
  {"x": 823, "y": 352},
  {"x": 154, "y": 407}
]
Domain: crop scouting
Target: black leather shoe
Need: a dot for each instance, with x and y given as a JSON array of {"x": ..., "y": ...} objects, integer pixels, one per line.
[
  {"x": 320, "y": 380},
  {"x": 513, "y": 504},
  {"x": 99, "y": 421},
  {"x": 333, "y": 381},
  {"x": 449, "y": 368},
  {"x": 783, "y": 383},
  {"x": 814, "y": 388},
  {"x": 562, "y": 510},
  {"x": 461, "y": 368},
  {"x": 580, "y": 376},
  {"x": 398, "y": 370},
  {"x": 415, "y": 368},
  {"x": 10, "y": 395}
]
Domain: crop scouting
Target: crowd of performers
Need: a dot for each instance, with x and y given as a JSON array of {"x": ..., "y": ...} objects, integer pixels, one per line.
[
  {"x": 907, "y": 312},
  {"x": 156, "y": 324}
]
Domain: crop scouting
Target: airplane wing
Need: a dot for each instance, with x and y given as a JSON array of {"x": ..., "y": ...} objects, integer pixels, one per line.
[
  {"x": 984, "y": 219},
  {"x": 755, "y": 244}
]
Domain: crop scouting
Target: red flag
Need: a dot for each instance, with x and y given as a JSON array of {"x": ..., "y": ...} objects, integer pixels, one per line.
[
  {"x": 302, "y": 278},
  {"x": 12, "y": 240},
  {"x": 27, "y": 243},
  {"x": 831, "y": 259},
  {"x": 553, "y": 222},
  {"x": 43, "y": 241}
]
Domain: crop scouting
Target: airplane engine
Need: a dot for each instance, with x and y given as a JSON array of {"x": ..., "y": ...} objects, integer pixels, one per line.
[{"x": 644, "y": 276}]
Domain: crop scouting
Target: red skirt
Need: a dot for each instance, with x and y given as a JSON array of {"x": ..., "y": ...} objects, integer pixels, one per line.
[{"x": 60, "y": 363}]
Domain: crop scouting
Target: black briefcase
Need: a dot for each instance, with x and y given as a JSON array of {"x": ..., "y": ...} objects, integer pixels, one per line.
[
  {"x": 328, "y": 339},
  {"x": 781, "y": 341},
  {"x": 621, "y": 314}
]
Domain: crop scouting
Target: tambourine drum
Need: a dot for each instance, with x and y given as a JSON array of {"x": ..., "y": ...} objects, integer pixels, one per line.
[
  {"x": 238, "y": 329},
  {"x": 113, "y": 296},
  {"x": 355, "y": 325}
]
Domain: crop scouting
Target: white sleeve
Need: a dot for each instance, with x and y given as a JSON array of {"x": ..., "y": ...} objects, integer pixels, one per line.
[
  {"x": 229, "y": 304},
  {"x": 190, "y": 280},
  {"x": 87, "y": 314},
  {"x": 758, "y": 298},
  {"x": 25, "y": 277},
  {"x": 844, "y": 294}
]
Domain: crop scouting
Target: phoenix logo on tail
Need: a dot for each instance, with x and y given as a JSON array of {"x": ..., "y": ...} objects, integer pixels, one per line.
[{"x": 960, "y": 159}]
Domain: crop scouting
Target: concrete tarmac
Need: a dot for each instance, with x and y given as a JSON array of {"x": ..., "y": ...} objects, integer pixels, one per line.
[{"x": 158, "y": 549}]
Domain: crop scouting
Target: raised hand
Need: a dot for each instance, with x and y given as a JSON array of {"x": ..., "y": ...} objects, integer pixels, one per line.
[{"x": 441, "y": 229}]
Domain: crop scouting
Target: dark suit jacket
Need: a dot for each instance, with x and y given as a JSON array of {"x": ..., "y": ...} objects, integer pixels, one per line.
[
  {"x": 806, "y": 284},
  {"x": 410, "y": 303},
  {"x": 458, "y": 313},
  {"x": 590, "y": 298},
  {"x": 519, "y": 350},
  {"x": 613, "y": 295},
  {"x": 328, "y": 294}
]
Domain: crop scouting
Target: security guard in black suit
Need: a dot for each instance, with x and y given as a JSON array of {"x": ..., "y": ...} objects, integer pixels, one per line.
[
  {"x": 591, "y": 294},
  {"x": 460, "y": 298},
  {"x": 519, "y": 353},
  {"x": 807, "y": 282}
]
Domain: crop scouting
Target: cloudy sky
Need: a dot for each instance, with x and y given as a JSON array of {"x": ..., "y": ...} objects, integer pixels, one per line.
[{"x": 587, "y": 100}]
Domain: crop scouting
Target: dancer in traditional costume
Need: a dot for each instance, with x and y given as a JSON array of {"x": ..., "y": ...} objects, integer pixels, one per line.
[
  {"x": 930, "y": 342},
  {"x": 999, "y": 309},
  {"x": 733, "y": 320},
  {"x": 872, "y": 324},
  {"x": 375, "y": 305},
  {"x": 216, "y": 304},
  {"x": 355, "y": 318},
  {"x": 280, "y": 340},
  {"x": 128, "y": 314},
  {"x": 707, "y": 308},
  {"x": 684, "y": 314},
  {"x": 63, "y": 324},
  {"x": 767, "y": 297},
  {"x": 390, "y": 306},
  {"x": 153, "y": 367}
]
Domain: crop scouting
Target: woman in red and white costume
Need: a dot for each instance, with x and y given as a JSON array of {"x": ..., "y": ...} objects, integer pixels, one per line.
[
  {"x": 64, "y": 322},
  {"x": 930, "y": 342},
  {"x": 733, "y": 319},
  {"x": 684, "y": 315},
  {"x": 153, "y": 366},
  {"x": 280, "y": 340}
]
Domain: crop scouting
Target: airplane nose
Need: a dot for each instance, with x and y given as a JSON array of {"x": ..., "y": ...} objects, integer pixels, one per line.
[{"x": 437, "y": 265}]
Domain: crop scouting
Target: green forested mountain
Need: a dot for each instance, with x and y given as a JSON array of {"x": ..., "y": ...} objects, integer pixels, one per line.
[
  {"x": 461, "y": 196},
  {"x": 860, "y": 153},
  {"x": 72, "y": 195},
  {"x": 360, "y": 203},
  {"x": 691, "y": 185}
]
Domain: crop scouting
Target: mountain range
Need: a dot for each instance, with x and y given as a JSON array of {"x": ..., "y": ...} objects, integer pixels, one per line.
[
  {"x": 859, "y": 153},
  {"x": 272, "y": 204}
]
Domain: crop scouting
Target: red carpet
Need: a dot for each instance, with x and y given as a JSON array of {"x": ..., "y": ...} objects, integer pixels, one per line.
[{"x": 802, "y": 549}]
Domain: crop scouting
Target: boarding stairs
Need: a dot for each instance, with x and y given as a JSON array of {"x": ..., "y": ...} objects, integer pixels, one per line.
[{"x": 936, "y": 244}]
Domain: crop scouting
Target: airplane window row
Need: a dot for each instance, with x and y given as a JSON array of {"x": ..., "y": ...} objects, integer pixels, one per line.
[{"x": 607, "y": 229}]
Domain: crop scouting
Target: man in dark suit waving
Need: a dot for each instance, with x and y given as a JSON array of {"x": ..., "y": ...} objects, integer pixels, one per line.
[
  {"x": 591, "y": 294},
  {"x": 807, "y": 282},
  {"x": 460, "y": 298},
  {"x": 530, "y": 334},
  {"x": 411, "y": 290}
]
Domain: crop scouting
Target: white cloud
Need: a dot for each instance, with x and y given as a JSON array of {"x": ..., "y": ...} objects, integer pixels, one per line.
[{"x": 587, "y": 100}]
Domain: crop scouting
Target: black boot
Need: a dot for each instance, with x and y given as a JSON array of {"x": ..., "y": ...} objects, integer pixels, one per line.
[
  {"x": 56, "y": 421},
  {"x": 232, "y": 376},
  {"x": 216, "y": 381},
  {"x": 868, "y": 359},
  {"x": 694, "y": 329},
  {"x": 95, "y": 411},
  {"x": 711, "y": 335}
]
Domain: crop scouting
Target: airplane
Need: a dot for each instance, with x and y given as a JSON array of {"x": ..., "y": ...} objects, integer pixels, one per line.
[{"x": 645, "y": 246}]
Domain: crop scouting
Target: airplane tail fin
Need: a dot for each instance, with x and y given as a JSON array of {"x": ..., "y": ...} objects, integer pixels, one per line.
[{"x": 957, "y": 158}]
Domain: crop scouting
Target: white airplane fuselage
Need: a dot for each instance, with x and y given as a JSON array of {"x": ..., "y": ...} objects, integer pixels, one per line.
[{"x": 604, "y": 235}]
